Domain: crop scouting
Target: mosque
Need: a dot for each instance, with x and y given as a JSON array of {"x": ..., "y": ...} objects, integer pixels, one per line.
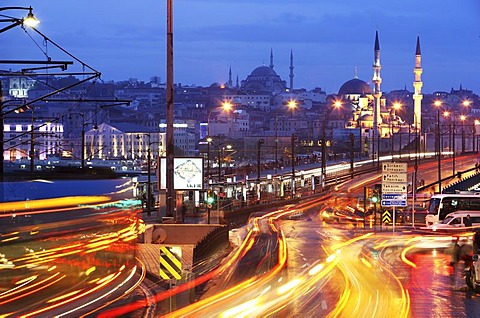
[{"x": 364, "y": 108}]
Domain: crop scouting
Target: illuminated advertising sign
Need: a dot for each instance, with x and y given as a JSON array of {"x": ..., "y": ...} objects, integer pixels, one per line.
[{"x": 187, "y": 173}]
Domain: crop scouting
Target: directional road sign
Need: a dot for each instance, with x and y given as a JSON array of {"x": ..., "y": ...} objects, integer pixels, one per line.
[
  {"x": 394, "y": 199},
  {"x": 394, "y": 177},
  {"x": 391, "y": 187},
  {"x": 394, "y": 167},
  {"x": 394, "y": 202}
]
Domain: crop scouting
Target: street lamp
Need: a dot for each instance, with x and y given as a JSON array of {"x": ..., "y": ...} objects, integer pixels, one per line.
[
  {"x": 29, "y": 20},
  {"x": 260, "y": 142},
  {"x": 225, "y": 106},
  {"x": 396, "y": 106},
  {"x": 293, "y": 139},
  {"x": 221, "y": 150},
  {"x": 209, "y": 141},
  {"x": 336, "y": 105},
  {"x": 462, "y": 119},
  {"x": 292, "y": 105},
  {"x": 438, "y": 104},
  {"x": 149, "y": 181}
]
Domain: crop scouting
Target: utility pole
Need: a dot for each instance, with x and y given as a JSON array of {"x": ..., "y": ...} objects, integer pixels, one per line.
[
  {"x": 352, "y": 144},
  {"x": 293, "y": 163},
  {"x": 170, "y": 193}
]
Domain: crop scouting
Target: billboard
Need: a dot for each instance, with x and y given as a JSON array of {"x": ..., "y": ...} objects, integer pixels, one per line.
[{"x": 187, "y": 173}]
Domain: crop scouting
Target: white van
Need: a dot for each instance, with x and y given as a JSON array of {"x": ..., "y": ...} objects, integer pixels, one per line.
[{"x": 456, "y": 220}]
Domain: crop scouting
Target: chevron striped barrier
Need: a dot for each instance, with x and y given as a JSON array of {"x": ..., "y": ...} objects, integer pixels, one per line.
[
  {"x": 170, "y": 263},
  {"x": 386, "y": 217}
]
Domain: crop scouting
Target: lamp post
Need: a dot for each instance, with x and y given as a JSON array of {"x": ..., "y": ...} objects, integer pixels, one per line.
[
  {"x": 29, "y": 20},
  {"x": 260, "y": 142},
  {"x": 438, "y": 104},
  {"x": 292, "y": 105},
  {"x": 462, "y": 119},
  {"x": 276, "y": 143},
  {"x": 225, "y": 106},
  {"x": 209, "y": 140},
  {"x": 336, "y": 104},
  {"x": 293, "y": 139},
  {"x": 149, "y": 181},
  {"x": 395, "y": 106}
]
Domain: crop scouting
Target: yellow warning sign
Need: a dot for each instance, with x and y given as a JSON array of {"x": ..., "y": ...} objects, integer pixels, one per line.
[
  {"x": 170, "y": 263},
  {"x": 386, "y": 217}
]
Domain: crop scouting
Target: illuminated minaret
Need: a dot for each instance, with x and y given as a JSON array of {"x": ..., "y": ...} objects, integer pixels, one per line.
[
  {"x": 230, "y": 83},
  {"x": 377, "y": 80},
  {"x": 271, "y": 58},
  {"x": 291, "y": 71},
  {"x": 417, "y": 85}
]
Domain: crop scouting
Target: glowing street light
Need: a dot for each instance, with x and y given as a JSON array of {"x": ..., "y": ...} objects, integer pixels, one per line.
[
  {"x": 395, "y": 106},
  {"x": 29, "y": 20},
  {"x": 225, "y": 106},
  {"x": 438, "y": 104}
]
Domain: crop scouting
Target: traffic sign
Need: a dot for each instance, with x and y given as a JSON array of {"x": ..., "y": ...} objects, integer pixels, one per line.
[
  {"x": 386, "y": 217},
  {"x": 394, "y": 199},
  {"x": 170, "y": 263},
  {"x": 394, "y": 167},
  {"x": 394, "y": 187},
  {"x": 394, "y": 196},
  {"x": 394, "y": 177},
  {"x": 394, "y": 202}
]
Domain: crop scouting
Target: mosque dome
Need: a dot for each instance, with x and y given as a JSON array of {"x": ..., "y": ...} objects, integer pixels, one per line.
[
  {"x": 355, "y": 87},
  {"x": 264, "y": 71}
]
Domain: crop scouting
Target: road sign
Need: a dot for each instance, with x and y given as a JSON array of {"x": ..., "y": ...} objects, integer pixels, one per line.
[
  {"x": 394, "y": 177},
  {"x": 394, "y": 187},
  {"x": 394, "y": 202},
  {"x": 394, "y": 199},
  {"x": 170, "y": 263},
  {"x": 394, "y": 196},
  {"x": 394, "y": 167},
  {"x": 386, "y": 217}
]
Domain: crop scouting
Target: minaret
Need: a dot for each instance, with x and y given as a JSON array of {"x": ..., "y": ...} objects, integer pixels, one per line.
[
  {"x": 377, "y": 80},
  {"x": 417, "y": 85},
  {"x": 271, "y": 58},
  {"x": 237, "y": 83},
  {"x": 291, "y": 71},
  {"x": 230, "y": 83}
]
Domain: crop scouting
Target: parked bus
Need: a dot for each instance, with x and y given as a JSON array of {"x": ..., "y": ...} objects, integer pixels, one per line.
[{"x": 442, "y": 204}]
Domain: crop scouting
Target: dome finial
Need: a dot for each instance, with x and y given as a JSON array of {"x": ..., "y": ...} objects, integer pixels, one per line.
[{"x": 355, "y": 72}]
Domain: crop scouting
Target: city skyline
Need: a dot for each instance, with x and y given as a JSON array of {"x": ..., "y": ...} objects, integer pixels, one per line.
[{"x": 328, "y": 39}]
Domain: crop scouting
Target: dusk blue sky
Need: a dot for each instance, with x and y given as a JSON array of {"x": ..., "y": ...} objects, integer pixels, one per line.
[{"x": 126, "y": 39}]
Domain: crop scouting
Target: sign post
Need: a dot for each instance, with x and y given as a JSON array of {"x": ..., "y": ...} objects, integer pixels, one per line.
[{"x": 394, "y": 187}]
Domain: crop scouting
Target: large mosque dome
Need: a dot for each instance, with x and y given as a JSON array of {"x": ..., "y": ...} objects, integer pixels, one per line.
[
  {"x": 264, "y": 79},
  {"x": 355, "y": 87},
  {"x": 263, "y": 71}
]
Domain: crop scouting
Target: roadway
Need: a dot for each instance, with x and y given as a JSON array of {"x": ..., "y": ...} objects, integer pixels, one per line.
[{"x": 341, "y": 268}]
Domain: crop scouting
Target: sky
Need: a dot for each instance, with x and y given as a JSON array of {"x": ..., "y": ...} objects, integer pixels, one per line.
[{"x": 329, "y": 38}]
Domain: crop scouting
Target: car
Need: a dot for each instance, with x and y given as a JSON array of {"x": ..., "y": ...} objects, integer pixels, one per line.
[{"x": 456, "y": 221}]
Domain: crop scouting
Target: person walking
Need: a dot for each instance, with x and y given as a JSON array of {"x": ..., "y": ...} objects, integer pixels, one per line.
[{"x": 454, "y": 259}]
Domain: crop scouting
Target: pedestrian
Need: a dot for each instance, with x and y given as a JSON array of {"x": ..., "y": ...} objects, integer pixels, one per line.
[
  {"x": 454, "y": 258},
  {"x": 468, "y": 221},
  {"x": 476, "y": 241}
]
